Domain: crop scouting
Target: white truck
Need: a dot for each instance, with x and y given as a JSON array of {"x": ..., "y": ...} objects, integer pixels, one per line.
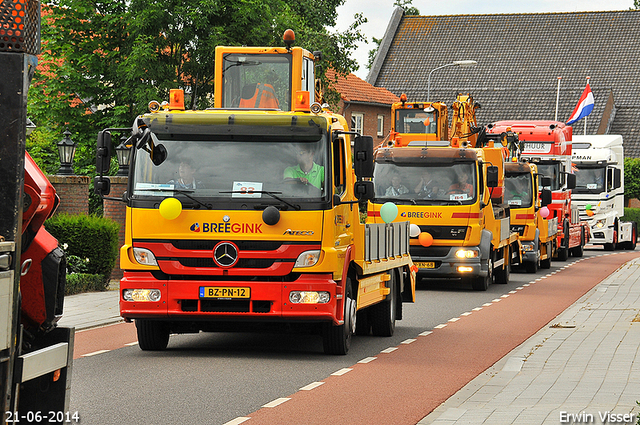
[{"x": 599, "y": 193}]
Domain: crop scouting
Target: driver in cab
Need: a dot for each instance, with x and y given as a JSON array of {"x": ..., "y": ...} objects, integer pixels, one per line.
[{"x": 307, "y": 172}]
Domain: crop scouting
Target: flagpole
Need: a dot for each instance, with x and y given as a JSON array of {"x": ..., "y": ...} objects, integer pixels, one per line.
[
  {"x": 557, "y": 99},
  {"x": 585, "y": 118}
]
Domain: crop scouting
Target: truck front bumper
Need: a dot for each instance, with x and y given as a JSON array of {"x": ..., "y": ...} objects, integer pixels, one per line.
[
  {"x": 249, "y": 300},
  {"x": 450, "y": 264}
]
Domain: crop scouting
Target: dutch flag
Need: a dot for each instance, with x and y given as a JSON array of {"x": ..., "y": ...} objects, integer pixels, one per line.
[{"x": 584, "y": 106}]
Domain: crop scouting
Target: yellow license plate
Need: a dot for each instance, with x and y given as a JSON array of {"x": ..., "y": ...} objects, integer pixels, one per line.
[
  {"x": 425, "y": 264},
  {"x": 224, "y": 292}
]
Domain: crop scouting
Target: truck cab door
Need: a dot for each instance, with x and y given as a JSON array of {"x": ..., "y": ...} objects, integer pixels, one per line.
[{"x": 342, "y": 213}]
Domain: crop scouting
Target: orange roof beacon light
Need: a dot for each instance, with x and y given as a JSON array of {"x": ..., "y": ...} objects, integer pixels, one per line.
[
  {"x": 301, "y": 103},
  {"x": 403, "y": 98},
  {"x": 176, "y": 99},
  {"x": 289, "y": 38}
]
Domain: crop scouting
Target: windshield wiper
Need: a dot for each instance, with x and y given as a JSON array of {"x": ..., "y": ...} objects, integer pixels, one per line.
[
  {"x": 400, "y": 200},
  {"x": 272, "y": 194},
  {"x": 181, "y": 191}
]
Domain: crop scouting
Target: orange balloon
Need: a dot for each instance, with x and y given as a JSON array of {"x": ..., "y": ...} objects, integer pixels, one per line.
[
  {"x": 590, "y": 213},
  {"x": 425, "y": 239},
  {"x": 427, "y": 122}
]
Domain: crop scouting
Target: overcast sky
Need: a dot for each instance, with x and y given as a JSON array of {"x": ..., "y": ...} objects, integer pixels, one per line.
[{"x": 378, "y": 13}]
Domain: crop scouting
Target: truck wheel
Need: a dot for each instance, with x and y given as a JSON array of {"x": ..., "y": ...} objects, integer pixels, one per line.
[
  {"x": 634, "y": 237},
  {"x": 481, "y": 283},
  {"x": 363, "y": 324},
  {"x": 614, "y": 244},
  {"x": 563, "y": 253},
  {"x": 383, "y": 315},
  {"x": 578, "y": 251},
  {"x": 152, "y": 334},
  {"x": 337, "y": 339},
  {"x": 502, "y": 275},
  {"x": 532, "y": 266}
]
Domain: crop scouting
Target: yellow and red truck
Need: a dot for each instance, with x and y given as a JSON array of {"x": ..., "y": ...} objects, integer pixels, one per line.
[
  {"x": 537, "y": 232},
  {"x": 268, "y": 230},
  {"x": 452, "y": 192},
  {"x": 548, "y": 144}
]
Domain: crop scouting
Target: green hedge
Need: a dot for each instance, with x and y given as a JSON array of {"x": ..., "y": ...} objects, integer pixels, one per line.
[
  {"x": 631, "y": 214},
  {"x": 84, "y": 282},
  {"x": 90, "y": 242}
]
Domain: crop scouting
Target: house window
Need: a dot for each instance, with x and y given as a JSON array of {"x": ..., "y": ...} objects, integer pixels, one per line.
[
  {"x": 380, "y": 125},
  {"x": 357, "y": 121}
]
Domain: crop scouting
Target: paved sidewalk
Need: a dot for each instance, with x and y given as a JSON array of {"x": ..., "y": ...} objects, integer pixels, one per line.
[
  {"x": 91, "y": 309},
  {"x": 585, "y": 365}
]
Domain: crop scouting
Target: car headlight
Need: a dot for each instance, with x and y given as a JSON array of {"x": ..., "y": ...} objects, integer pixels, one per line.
[
  {"x": 144, "y": 257},
  {"x": 308, "y": 259},
  {"x": 467, "y": 253},
  {"x": 141, "y": 295}
]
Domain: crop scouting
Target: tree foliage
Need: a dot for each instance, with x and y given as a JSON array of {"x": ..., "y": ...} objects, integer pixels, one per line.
[
  {"x": 631, "y": 178},
  {"x": 103, "y": 61}
]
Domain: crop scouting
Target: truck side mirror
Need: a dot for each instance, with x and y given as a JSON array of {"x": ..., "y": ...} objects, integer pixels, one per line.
[
  {"x": 545, "y": 197},
  {"x": 545, "y": 181},
  {"x": 364, "y": 190},
  {"x": 363, "y": 156},
  {"x": 103, "y": 152},
  {"x": 617, "y": 178},
  {"x": 492, "y": 176},
  {"x": 571, "y": 181},
  {"x": 101, "y": 185}
]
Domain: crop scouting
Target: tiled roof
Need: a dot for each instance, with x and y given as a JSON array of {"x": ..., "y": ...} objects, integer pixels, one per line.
[
  {"x": 520, "y": 57},
  {"x": 354, "y": 89}
]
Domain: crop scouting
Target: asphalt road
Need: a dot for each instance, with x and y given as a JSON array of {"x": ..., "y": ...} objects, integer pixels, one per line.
[{"x": 214, "y": 378}]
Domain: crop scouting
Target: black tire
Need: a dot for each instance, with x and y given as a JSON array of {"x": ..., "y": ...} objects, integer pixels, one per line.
[
  {"x": 383, "y": 315},
  {"x": 363, "y": 324},
  {"x": 578, "y": 251},
  {"x": 614, "y": 244},
  {"x": 337, "y": 339},
  {"x": 153, "y": 335},
  {"x": 634, "y": 237},
  {"x": 502, "y": 275},
  {"x": 481, "y": 283},
  {"x": 533, "y": 266}
]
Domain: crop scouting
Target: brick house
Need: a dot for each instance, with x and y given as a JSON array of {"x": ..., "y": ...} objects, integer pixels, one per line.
[
  {"x": 366, "y": 107},
  {"x": 520, "y": 57}
]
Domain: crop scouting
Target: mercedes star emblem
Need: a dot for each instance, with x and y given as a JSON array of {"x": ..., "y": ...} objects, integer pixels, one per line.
[{"x": 225, "y": 254}]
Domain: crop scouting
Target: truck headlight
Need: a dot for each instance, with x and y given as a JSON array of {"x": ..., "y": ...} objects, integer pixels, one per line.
[
  {"x": 527, "y": 247},
  {"x": 308, "y": 259},
  {"x": 467, "y": 253},
  {"x": 144, "y": 257},
  {"x": 309, "y": 297},
  {"x": 599, "y": 224},
  {"x": 141, "y": 295}
]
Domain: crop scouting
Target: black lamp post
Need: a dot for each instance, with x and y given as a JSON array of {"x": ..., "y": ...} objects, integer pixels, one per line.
[
  {"x": 66, "y": 150},
  {"x": 124, "y": 155}
]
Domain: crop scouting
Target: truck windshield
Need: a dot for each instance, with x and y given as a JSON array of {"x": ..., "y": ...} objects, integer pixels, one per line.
[
  {"x": 236, "y": 171},
  {"x": 256, "y": 81},
  {"x": 518, "y": 190},
  {"x": 551, "y": 170},
  {"x": 454, "y": 184},
  {"x": 415, "y": 121},
  {"x": 590, "y": 180}
]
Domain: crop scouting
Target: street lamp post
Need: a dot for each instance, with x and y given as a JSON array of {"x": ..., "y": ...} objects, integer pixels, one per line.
[
  {"x": 123, "y": 154},
  {"x": 462, "y": 64},
  {"x": 66, "y": 151}
]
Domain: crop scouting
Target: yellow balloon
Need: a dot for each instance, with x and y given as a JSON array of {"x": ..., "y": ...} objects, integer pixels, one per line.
[{"x": 170, "y": 208}]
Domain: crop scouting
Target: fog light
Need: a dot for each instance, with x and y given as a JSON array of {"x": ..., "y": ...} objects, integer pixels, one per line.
[
  {"x": 465, "y": 269},
  {"x": 309, "y": 297},
  {"x": 467, "y": 253},
  {"x": 144, "y": 257},
  {"x": 141, "y": 295},
  {"x": 308, "y": 259}
]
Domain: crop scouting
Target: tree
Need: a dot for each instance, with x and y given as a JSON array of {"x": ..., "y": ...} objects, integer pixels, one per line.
[
  {"x": 636, "y": 5},
  {"x": 631, "y": 178},
  {"x": 103, "y": 61}
]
